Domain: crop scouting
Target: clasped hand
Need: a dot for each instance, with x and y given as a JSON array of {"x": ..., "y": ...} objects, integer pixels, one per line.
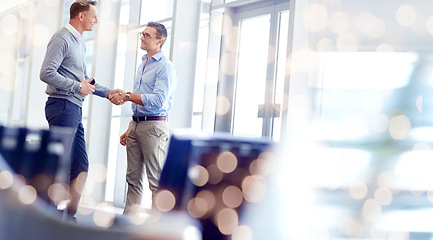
[
  {"x": 86, "y": 87},
  {"x": 117, "y": 96}
]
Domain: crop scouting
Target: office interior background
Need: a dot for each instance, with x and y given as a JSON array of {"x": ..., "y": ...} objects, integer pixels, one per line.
[{"x": 343, "y": 88}]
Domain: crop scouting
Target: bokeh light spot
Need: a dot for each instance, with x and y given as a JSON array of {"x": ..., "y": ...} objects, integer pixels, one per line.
[
  {"x": 263, "y": 165},
  {"x": 227, "y": 162},
  {"x": 325, "y": 45},
  {"x": 209, "y": 197},
  {"x": 165, "y": 200},
  {"x": 358, "y": 190},
  {"x": 429, "y": 25},
  {"x": 9, "y": 24},
  {"x": 385, "y": 179},
  {"x": 6, "y": 179},
  {"x": 351, "y": 227},
  {"x": 406, "y": 15},
  {"x": 218, "y": 22},
  {"x": 399, "y": 127},
  {"x": 99, "y": 172},
  {"x": 338, "y": 22},
  {"x": 197, "y": 207},
  {"x": 215, "y": 175},
  {"x": 232, "y": 197},
  {"x": 87, "y": 205},
  {"x": 242, "y": 232},
  {"x": 223, "y": 105},
  {"x": 58, "y": 192},
  {"x": 198, "y": 175},
  {"x": 371, "y": 211},
  {"x": 227, "y": 220},
  {"x": 80, "y": 181},
  {"x": 42, "y": 37},
  {"x": 383, "y": 196},
  {"x": 104, "y": 215},
  {"x": 370, "y": 25},
  {"x": 315, "y": 17},
  {"x": 385, "y": 48},
  {"x": 254, "y": 188},
  {"x": 27, "y": 194}
]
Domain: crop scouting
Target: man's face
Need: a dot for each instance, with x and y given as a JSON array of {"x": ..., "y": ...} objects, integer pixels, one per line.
[
  {"x": 90, "y": 18},
  {"x": 149, "y": 40}
]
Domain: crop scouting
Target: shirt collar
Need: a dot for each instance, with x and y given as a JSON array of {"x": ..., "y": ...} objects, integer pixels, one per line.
[
  {"x": 156, "y": 56},
  {"x": 73, "y": 30}
]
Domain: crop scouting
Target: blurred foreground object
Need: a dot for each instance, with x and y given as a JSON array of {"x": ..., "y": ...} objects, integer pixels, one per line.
[
  {"x": 26, "y": 202},
  {"x": 39, "y": 157},
  {"x": 213, "y": 177}
]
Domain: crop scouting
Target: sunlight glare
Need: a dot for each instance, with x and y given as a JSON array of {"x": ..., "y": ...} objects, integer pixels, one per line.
[{"x": 406, "y": 15}]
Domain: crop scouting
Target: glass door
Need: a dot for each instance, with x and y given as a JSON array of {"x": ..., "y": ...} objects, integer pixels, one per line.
[
  {"x": 257, "y": 84},
  {"x": 250, "y": 88}
]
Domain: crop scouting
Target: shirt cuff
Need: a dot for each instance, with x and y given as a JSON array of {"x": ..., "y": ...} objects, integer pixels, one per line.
[
  {"x": 143, "y": 98},
  {"x": 77, "y": 87}
]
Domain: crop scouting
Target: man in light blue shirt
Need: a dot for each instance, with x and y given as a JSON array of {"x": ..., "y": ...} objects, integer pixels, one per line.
[{"x": 147, "y": 135}]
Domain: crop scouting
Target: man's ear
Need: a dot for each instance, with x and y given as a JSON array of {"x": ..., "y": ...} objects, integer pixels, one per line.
[
  {"x": 81, "y": 16},
  {"x": 160, "y": 42}
]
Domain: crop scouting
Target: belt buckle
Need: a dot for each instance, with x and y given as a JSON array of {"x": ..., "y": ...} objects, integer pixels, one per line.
[{"x": 145, "y": 118}]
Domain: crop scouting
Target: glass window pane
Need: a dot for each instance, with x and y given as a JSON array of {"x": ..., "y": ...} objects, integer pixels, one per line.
[
  {"x": 66, "y": 7},
  {"x": 353, "y": 101},
  {"x": 251, "y": 77},
  {"x": 112, "y": 159},
  {"x": 196, "y": 122},
  {"x": 89, "y": 57},
  {"x": 200, "y": 72},
  {"x": 89, "y": 66},
  {"x": 20, "y": 93},
  {"x": 154, "y": 11},
  {"x": 166, "y": 48}
]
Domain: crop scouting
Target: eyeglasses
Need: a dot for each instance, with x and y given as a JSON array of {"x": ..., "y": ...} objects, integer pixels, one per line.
[{"x": 147, "y": 36}]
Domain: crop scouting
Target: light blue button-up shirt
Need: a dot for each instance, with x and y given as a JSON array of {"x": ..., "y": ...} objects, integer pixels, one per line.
[{"x": 156, "y": 82}]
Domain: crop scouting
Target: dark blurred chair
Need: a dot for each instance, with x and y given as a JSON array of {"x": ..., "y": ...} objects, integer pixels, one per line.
[
  {"x": 20, "y": 219},
  {"x": 206, "y": 174},
  {"x": 39, "y": 156}
]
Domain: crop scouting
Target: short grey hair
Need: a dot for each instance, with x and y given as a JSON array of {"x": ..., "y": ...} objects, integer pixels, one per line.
[{"x": 161, "y": 31}]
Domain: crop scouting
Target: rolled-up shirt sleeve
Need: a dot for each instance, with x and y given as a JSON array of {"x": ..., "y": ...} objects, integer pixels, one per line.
[{"x": 158, "y": 99}]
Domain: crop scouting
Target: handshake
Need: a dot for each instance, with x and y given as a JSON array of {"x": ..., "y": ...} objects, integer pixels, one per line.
[{"x": 117, "y": 96}]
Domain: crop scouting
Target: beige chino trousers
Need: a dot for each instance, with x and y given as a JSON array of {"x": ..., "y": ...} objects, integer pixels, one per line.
[{"x": 145, "y": 148}]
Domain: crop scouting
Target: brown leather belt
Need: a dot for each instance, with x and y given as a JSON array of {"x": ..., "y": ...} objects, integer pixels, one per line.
[{"x": 136, "y": 118}]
